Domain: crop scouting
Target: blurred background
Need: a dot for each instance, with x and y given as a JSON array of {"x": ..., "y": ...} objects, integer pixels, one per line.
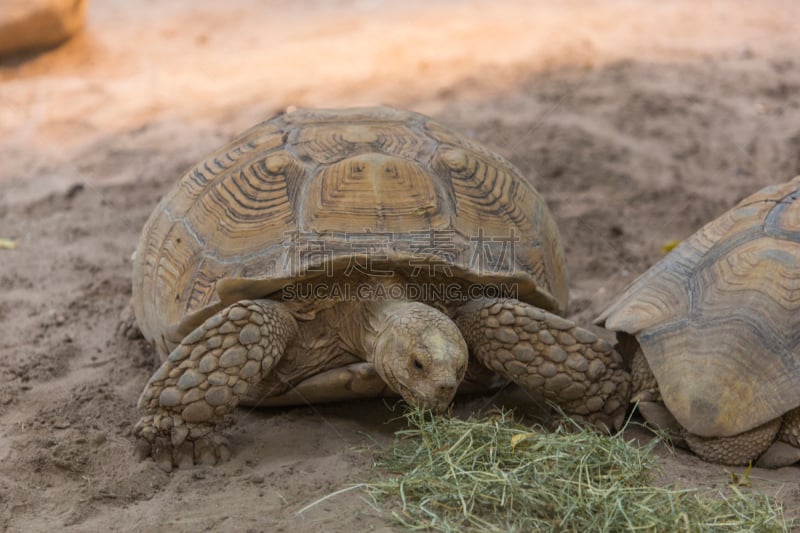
[{"x": 205, "y": 69}]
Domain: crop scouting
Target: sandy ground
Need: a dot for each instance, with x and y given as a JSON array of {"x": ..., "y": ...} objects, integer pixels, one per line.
[{"x": 638, "y": 121}]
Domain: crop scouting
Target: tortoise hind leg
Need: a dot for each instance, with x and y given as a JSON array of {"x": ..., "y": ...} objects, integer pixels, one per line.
[
  {"x": 550, "y": 355},
  {"x": 786, "y": 449},
  {"x": 771, "y": 445},
  {"x": 736, "y": 450},
  {"x": 204, "y": 378}
]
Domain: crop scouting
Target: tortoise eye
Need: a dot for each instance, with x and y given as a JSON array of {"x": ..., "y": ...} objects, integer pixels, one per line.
[{"x": 418, "y": 365}]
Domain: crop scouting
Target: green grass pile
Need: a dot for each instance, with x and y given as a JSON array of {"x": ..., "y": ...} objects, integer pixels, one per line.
[{"x": 492, "y": 474}]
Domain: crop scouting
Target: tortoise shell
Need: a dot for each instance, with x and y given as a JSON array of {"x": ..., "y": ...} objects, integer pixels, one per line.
[
  {"x": 307, "y": 191},
  {"x": 718, "y": 319}
]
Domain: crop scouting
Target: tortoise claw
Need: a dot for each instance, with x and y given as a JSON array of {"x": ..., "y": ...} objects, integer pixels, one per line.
[{"x": 179, "y": 446}]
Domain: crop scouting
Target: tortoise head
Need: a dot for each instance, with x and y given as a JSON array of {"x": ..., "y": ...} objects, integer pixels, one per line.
[{"x": 421, "y": 355}]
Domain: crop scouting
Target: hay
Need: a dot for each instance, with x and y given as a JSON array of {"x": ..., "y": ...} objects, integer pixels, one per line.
[{"x": 448, "y": 474}]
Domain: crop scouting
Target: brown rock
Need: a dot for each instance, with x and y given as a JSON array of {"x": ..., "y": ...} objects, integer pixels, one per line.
[{"x": 32, "y": 24}]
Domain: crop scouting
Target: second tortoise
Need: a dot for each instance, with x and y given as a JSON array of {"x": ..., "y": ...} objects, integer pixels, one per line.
[{"x": 713, "y": 334}]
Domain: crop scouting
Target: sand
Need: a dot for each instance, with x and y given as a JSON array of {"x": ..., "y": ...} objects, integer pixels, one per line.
[{"x": 637, "y": 122}]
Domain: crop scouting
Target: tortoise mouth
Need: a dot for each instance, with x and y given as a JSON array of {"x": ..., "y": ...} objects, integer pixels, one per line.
[{"x": 438, "y": 404}]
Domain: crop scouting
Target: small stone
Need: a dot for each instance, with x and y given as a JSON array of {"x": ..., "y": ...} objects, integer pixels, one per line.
[
  {"x": 506, "y": 336},
  {"x": 255, "y": 353},
  {"x": 546, "y": 337},
  {"x": 557, "y": 322},
  {"x": 190, "y": 379},
  {"x": 524, "y": 352},
  {"x": 238, "y": 313},
  {"x": 214, "y": 342},
  {"x": 195, "y": 336},
  {"x": 218, "y": 395},
  {"x": 506, "y": 318},
  {"x": 179, "y": 354},
  {"x": 207, "y": 364},
  {"x": 556, "y": 353},
  {"x": 170, "y": 397},
  {"x": 192, "y": 396},
  {"x": 548, "y": 370},
  {"x": 240, "y": 388},
  {"x": 234, "y": 356},
  {"x": 578, "y": 363},
  {"x": 199, "y": 411},
  {"x": 250, "y": 369},
  {"x": 218, "y": 378},
  {"x": 584, "y": 336},
  {"x": 250, "y": 334},
  {"x": 98, "y": 439}
]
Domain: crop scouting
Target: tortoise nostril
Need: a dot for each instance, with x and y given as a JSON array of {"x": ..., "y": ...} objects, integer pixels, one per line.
[{"x": 447, "y": 387}]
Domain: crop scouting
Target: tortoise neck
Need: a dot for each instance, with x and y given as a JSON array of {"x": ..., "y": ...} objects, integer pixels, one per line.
[{"x": 362, "y": 323}]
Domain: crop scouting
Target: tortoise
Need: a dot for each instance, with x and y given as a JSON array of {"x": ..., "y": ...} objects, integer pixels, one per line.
[
  {"x": 326, "y": 255},
  {"x": 712, "y": 334}
]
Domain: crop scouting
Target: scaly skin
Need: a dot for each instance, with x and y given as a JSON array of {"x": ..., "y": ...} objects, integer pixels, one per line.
[
  {"x": 766, "y": 443},
  {"x": 203, "y": 379},
  {"x": 549, "y": 355}
]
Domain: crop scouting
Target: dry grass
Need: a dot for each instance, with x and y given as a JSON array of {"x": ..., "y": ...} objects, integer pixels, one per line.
[{"x": 492, "y": 474}]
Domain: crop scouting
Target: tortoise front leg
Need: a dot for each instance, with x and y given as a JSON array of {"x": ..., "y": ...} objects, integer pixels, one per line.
[
  {"x": 550, "y": 355},
  {"x": 204, "y": 378}
]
